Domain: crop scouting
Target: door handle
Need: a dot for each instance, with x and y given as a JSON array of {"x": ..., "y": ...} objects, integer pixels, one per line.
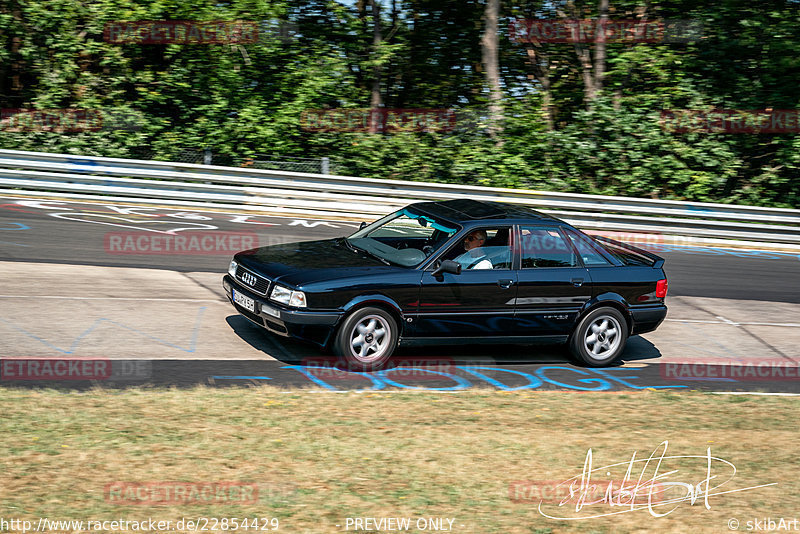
[
  {"x": 505, "y": 284},
  {"x": 577, "y": 282}
]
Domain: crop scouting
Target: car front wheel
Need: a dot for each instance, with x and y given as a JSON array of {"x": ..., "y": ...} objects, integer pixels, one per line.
[
  {"x": 599, "y": 338},
  {"x": 366, "y": 339}
]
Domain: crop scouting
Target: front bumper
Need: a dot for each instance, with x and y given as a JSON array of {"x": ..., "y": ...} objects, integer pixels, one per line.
[
  {"x": 647, "y": 318},
  {"x": 313, "y": 326}
]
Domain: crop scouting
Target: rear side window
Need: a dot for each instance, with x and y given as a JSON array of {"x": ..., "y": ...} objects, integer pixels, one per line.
[
  {"x": 588, "y": 251},
  {"x": 545, "y": 247}
]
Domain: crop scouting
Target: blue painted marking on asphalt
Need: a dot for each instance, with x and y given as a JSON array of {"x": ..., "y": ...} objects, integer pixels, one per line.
[
  {"x": 533, "y": 382},
  {"x": 603, "y": 385},
  {"x": 463, "y": 383},
  {"x": 305, "y": 370},
  {"x": 73, "y": 347},
  {"x": 380, "y": 380},
  {"x": 196, "y": 332},
  {"x": 19, "y": 226}
]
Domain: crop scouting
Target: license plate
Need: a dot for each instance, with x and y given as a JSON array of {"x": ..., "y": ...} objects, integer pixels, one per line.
[{"x": 244, "y": 301}]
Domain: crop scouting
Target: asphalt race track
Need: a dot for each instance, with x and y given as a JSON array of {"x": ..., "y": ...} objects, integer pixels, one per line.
[
  {"x": 75, "y": 233},
  {"x": 79, "y": 282}
]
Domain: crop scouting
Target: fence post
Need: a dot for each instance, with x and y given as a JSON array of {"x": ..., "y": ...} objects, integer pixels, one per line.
[
  {"x": 207, "y": 157},
  {"x": 326, "y": 165}
]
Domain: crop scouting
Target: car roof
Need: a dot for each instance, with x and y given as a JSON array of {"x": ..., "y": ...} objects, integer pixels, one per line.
[{"x": 465, "y": 210}]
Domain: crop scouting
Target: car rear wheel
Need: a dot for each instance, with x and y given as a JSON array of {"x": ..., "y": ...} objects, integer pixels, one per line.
[
  {"x": 599, "y": 338},
  {"x": 366, "y": 339}
]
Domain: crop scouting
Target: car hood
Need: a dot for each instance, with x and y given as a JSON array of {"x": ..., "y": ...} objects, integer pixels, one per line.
[{"x": 310, "y": 261}]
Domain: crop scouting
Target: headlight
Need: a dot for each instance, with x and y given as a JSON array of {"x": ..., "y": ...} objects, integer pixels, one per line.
[
  {"x": 232, "y": 268},
  {"x": 284, "y": 295}
]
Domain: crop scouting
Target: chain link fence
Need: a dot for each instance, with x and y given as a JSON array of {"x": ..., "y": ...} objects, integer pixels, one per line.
[{"x": 323, "y": 165}]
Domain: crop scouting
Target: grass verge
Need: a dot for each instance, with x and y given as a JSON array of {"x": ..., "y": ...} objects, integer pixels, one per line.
[{"x": 317, "y": 459}]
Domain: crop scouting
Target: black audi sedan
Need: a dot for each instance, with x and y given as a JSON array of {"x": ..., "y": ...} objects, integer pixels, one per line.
[{"x": 459, "y": 271}]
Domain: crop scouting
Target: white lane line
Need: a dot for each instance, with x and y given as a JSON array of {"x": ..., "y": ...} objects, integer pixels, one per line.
[
  {"x": 486, "y": 390},
  {"x": 180, "y": 208},
  {"x": 723, "y": 319},
  {"x": 106, "y": 298},
  {"x": 757, "y": 393},
  {"x": 772, "y": 324},
  {"x": 693, "y": 321},
  {"x": 726, "y": 321}
]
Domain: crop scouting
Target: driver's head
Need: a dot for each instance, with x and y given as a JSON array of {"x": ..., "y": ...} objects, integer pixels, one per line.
[{"x": 475, "y": 239}]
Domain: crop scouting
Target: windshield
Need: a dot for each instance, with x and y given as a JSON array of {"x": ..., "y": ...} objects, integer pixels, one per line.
[{"x": 403, "y": 238}]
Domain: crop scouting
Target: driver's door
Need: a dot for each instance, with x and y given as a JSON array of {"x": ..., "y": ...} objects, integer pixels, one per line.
[{"x": 474, "y": 303}]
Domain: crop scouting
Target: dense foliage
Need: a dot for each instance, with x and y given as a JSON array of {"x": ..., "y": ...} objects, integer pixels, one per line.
[{"x": 573, "y": 117}]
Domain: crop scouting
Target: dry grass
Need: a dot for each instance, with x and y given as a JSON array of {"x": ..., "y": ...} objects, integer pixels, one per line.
[{"x": 320, "y": 458}]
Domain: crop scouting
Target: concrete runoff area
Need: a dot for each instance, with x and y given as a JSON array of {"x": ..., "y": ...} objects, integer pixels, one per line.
[{"x": 177, "y": 328}]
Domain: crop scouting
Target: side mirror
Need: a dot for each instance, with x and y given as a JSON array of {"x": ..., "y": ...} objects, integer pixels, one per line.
[
  {"x": 447, "y": 266},
  {"x": 362, "y": 225}
]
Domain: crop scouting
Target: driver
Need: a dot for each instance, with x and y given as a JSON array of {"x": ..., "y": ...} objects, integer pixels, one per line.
[{"x": 475, "y": 256}]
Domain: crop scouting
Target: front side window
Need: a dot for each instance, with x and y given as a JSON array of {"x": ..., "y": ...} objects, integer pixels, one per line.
[
  {"x": 482, "y": 248},
  {"x": 545, "y": 247},
  {"x": 403, "y": 238}
]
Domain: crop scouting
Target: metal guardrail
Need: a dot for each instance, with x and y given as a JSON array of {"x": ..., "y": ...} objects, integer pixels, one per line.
[{"x": 67, "y": 176}]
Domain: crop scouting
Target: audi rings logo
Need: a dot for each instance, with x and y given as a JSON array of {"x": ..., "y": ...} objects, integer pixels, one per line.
[{"x": 248, "y": 279}]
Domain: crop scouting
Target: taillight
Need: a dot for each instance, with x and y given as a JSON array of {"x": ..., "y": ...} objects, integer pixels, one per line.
[{"x": 661, "y": 288}]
